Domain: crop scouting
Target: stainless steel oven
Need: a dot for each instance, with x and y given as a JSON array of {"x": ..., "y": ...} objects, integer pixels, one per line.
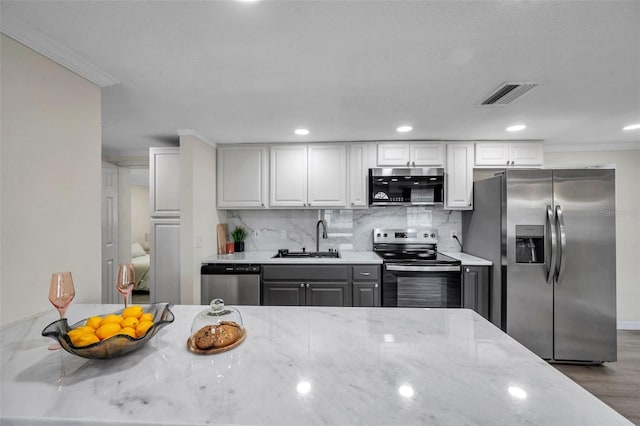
[{"x": 414, "y": 273}]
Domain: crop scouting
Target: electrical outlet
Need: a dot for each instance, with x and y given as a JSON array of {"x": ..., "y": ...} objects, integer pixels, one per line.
[
  {"x": 454, "y": 234},
  {"x": 198, "y": 241},
  {"x": 283, "y": 235},
  {"x": 256, "y": 234}
]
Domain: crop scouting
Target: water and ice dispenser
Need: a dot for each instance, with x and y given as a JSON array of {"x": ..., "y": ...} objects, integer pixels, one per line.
[{"x": 529, "y": 244}]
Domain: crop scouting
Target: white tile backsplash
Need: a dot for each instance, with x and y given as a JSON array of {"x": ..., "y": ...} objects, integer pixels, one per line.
[{"x": 347, "y": 229}]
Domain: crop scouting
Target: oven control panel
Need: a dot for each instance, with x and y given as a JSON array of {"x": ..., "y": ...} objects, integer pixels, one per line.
[{"x": 405, "y": 235}]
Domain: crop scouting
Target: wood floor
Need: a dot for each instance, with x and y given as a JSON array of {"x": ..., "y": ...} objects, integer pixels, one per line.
[{"x": 615, "y": 383}]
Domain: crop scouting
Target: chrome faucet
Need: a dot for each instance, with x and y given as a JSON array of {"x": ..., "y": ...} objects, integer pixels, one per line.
[{"x": 324, "y": 233}]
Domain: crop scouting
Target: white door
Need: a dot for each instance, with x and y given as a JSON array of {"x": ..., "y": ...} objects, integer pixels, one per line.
[
  {"x": 327, "y": 175},
  {"x": 526, "y": 153},
  {"x": 242, "y": 176},
  {"x": 164, "y": 189},
  {"x": 492, "y": 154},
  {"x": 288, "y": 171},
  {"x": 165, "y": 260},
  {"x": 109, "y": 232},
  {"x": 427, "y": 154},
  {"x": 358, "y": 173},
  {"x": 459, "y": 176},
  {"x": 393, "y": 154}
]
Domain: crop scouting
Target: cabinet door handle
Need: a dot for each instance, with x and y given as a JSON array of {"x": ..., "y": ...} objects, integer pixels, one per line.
[
  {"x": 262, "y": 204},
  {"x": 467, "y": 270},
  {"x": 308, "y": 285},
  {"x": 375, "y": 285},
  {"x": 366, "y": 274},
  {"x": 301, "y": 284},
  {"x": 413, "y": 164},
  {"x": 407, "y": 164}
]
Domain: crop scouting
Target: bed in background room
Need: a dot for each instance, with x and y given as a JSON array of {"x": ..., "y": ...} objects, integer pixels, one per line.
[{"x": 141, "y": 264}]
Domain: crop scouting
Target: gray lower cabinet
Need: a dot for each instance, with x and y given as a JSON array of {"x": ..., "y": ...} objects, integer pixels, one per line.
[
  {"x": 276, "y": 293},
  {"x": 475, "y": 289},
  {"x": 366, "y": 285},
  {"x": 306, "y": 285},
  {"x": 321, "y": 285}
]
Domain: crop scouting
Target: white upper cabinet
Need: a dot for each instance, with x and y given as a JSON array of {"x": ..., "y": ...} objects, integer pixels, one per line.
[
  {"x": 164, "y": 185},
  {"x": 505, "y": 154},
  {"x": 358, "y": 175},
  {"x": 459, "y": 176},
  {"x": 327, "y": 175},
  {"x": 242, "y": 176},
  {"x": 411, "y": 154},
  {"x": 288, "y": 171},
  {"x": 313, "y": 175},
  {"x": 526, "y": 153}
]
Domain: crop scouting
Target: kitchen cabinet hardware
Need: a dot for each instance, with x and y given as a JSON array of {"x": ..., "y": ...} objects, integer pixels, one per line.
[
  {"x": 366, "y": 274},
  {"x": 467, "y": 270},
  {"x": 301, "y": 284},
  {"x": 308, "y": 285}
]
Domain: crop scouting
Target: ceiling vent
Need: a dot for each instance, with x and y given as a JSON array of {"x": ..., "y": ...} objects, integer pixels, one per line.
[{"x": 507, "y": 93}]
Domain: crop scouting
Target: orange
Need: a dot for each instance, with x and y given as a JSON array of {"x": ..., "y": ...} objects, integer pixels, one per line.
[
  {"x": 129, "y": 322},
  {"x": 143, "y": 327},
  {"x": 146, "y": 317},
  {"x": 84, "y": 339},
  {"x": 83, "y": 329},
  {"x": 94, "y": 322},
  {"x": 128, "y": 331},
  {"x": 135, "y": 311},
  {"x": 107, "y": 330},
  {"x": 111, "y": 318}
]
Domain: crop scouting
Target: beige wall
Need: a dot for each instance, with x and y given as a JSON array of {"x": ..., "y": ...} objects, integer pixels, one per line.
[
  {"x": 140, "y": 221},
  {"x": 50, "y": 181},
  {"x": 627, "y": 165},
  {"x": 198, "y": 214}
]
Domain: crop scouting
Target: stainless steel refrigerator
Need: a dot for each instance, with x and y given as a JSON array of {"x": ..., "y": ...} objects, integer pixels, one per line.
[{"x": 551, "y": 237}]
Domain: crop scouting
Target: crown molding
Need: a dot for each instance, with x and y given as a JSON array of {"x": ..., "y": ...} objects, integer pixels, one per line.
[
  {"x": 46, "y": 46},
  {"x": 191, "y": 132},
  {"x": 578, "y": 147}
]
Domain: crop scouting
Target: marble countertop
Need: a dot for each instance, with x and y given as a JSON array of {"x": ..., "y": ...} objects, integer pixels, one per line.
[
  {"x": 346, "y": 257},
  {"x": 298, "y": 365},
  {"x": 467, "y": 259},
  {"x": 264, "y": 257}
]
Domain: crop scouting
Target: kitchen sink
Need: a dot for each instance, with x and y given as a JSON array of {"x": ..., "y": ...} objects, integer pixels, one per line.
[{"x": 334, "y": 254}]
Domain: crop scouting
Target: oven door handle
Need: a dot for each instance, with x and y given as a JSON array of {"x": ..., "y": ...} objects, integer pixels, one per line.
[{"x": 422, "y": 268}]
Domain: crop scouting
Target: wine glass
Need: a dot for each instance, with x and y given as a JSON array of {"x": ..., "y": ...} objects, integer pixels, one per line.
[
  {"x": 126, "y": 280},
  {"x": 61, "y": 293}
]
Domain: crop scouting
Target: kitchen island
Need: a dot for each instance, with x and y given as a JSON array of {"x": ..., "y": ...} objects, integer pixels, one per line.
[{"x": 298, "y": 365}]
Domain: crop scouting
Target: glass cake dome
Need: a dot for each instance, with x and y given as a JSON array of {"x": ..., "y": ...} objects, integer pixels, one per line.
[{"x": 216, "y": 314}]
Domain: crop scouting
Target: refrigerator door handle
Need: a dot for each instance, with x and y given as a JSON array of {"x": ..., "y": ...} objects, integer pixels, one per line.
[
  {"x": 551, "y": 252},
  {"x": 563, "y": 244}
]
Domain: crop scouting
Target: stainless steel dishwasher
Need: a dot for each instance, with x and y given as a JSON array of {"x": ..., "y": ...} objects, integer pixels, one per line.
[{"x": 236, "y": 284}]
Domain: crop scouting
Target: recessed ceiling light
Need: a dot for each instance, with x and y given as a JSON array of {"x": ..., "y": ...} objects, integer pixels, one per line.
[
  {"x": 301, "y": 132},
  {"x": 516, "y": 128},
  {"x": 404, "y": 129},
  {"x": 632, "y": 127}
]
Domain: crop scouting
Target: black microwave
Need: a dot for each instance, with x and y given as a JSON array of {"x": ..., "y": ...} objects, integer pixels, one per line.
[{"x": 420, "y": 186}]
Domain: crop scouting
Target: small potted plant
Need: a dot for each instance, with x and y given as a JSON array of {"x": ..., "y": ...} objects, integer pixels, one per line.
[{"x": 238, "y": 235}]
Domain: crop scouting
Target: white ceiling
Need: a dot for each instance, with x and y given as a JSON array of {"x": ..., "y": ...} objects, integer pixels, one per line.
[{"x": 353, "y": 70}]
